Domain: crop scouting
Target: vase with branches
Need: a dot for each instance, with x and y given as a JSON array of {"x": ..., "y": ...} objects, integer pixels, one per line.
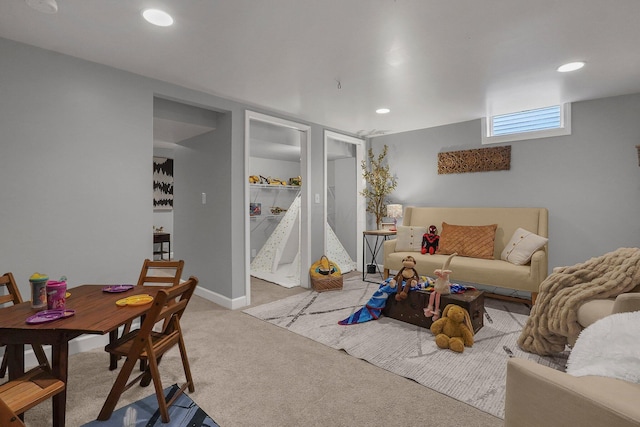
[{"x": 380, "y": 183}]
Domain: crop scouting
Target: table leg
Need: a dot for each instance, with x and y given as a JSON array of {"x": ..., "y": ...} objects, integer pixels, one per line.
[
  {"x": 15, "y": 363},
  {"x": 113, "y": 359},
  {"x": 60, "y": 368},
  {"x": 15, "y": 358}
]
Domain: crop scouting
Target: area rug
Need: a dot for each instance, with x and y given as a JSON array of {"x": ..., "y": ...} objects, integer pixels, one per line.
[
  {"x": 476, "y": 377},
  {"x": 183, "y": 413}
]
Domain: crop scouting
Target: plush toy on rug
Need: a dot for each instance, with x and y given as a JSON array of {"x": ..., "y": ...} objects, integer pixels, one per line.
[
  {"x": 454, "y": 329},
  {"x": 430, "y": 241},
  {"x": 408, "y": 275},
  {"x": 441, "y": 286}
]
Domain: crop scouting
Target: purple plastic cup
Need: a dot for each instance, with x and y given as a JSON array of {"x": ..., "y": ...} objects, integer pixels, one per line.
[{"x": 56, "y": 294}]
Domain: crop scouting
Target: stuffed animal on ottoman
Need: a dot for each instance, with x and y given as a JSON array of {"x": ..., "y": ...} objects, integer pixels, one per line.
[
  {"x": 408, "y": 275},
  {"x": 453, "y": 330},
  {"x": 430, "y": 241}
]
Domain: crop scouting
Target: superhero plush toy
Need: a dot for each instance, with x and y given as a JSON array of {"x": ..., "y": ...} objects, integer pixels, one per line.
[{"x": 430, "y": 241}]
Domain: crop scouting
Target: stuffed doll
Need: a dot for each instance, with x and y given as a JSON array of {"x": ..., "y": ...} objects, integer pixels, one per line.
[
  {"x": 454, "y": 329},
  {"x": 430, "y": 241},
  {"x": 408, "y": 275},
  {"x": 441, "y": 286}
]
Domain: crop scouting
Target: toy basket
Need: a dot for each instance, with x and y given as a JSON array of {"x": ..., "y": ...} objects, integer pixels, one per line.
[{"x": 325, "y": 275}]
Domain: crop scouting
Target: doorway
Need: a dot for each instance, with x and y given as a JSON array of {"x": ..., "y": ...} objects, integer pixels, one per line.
[
  {"x": 174, "y": 122},
  {"x": 343, "y": 185},
  {"x": 270, "y": 144}
]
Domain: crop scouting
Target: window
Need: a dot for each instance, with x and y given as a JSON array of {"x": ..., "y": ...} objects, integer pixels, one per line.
[{"x": 530, "y": 124}]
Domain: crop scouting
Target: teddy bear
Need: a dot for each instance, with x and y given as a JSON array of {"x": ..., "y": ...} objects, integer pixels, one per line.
[
  {"x": 430, "y": 241},
  {"x": 408, "y": 275},
  {"x": 453, "y": 330}
]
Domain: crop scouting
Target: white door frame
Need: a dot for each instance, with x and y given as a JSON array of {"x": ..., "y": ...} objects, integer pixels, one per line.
[
  {"x": 360, "y": 184},
  {"x": 305, "y": 202}
]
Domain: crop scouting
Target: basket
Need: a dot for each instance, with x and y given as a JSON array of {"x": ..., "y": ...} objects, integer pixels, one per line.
[
  {"x": 325, "y": 275},
  {"x": 326, "y": 284}
]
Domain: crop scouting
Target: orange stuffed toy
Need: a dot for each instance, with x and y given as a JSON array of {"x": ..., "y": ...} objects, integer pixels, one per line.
[{"x": 453, "y": 330}]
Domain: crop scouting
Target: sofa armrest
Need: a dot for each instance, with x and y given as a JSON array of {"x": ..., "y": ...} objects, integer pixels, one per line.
[
  {"x": 626, "y": 302},
  {"x": 537, "y": 395},
  {"x": 389, "y": 247},
  {"x": 539, "y": 266}
]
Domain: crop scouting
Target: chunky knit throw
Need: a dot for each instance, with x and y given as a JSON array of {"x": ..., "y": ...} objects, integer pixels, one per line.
[{"x": 554, "y": 316}]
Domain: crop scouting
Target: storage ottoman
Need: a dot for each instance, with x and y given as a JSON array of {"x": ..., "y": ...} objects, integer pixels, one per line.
[{"x": 411, "y": 310}]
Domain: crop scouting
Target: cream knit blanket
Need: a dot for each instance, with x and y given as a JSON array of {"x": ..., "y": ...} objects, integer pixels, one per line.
[{"x": 554, "y": 316}]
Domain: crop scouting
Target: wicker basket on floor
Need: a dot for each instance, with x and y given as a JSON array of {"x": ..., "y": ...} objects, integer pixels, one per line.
[{"x": 325, "y": 275}]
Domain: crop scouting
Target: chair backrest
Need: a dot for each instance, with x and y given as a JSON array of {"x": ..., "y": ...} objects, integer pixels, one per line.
[
  {"x": 13, "y": 293},
  {"x": 168, "y": 307},
  {"x": 161, "y": 272}
]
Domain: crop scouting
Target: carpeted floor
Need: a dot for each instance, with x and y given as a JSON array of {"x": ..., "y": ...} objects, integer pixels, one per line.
[
  {"x": 476, "y": 377},
  {"x": 248, "y": 372}
]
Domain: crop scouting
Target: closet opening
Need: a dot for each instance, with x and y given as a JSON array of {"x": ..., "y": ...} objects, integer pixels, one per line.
[{"x": 277, "y": 205}]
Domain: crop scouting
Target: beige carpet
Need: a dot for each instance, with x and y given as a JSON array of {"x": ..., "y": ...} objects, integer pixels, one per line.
[
  {"x": 251, "y": 373},
  {"x": 477, "y": 376}
]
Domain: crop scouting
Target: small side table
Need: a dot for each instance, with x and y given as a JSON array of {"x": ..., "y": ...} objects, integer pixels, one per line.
[
  {"x": 373, "y": 250},
  {"x": 162, "y": 238}
]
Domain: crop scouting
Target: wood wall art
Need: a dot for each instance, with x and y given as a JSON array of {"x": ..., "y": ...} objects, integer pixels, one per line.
[
  {"x": 476, "y": 160},
  {"x": 162, "y": 184}
]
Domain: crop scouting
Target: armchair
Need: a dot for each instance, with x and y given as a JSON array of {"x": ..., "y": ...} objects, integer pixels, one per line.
[{"x": 596, "y": 309}]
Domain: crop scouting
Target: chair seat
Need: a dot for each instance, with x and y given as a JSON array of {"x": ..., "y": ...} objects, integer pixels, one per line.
[
  {"x": 594, "y": 310},
  {"x": 32, "y": 388},
  {"x": 160, "y": 341}
]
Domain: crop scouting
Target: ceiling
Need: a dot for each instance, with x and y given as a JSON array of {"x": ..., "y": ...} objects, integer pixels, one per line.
[{"x": 334, "y": 62}]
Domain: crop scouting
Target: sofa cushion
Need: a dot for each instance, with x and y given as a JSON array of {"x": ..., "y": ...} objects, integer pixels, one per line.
[
  {"x": 409, "y": 238},
  {"x": 474, "y": 241},
  {"x": 521, "y": 247}
]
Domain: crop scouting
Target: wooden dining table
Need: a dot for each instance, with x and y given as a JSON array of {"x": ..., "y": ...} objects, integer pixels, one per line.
[{"x": 96, "y": 312}]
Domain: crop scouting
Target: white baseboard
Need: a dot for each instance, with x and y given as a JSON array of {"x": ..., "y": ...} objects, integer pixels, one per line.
[{"x": 225, "y": 302}]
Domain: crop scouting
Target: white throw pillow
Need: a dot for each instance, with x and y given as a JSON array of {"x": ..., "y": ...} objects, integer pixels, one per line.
[
  {"x": 521, "y": 247},
  {"x": 608, "y": 348},
  {"x": 409, "y": 238}
]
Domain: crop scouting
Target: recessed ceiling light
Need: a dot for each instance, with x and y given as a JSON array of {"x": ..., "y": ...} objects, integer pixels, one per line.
[
  {"x": 44, "y": 6},
  {"x": 571, "y": 66},
  {"x": 158, "y": 17},
  {"x": 382, "y": 110}
]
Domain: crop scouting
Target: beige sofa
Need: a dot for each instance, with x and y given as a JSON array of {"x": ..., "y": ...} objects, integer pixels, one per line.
[
  {"x": 492, "y": 272},
  {"x": 537, "y": 396}
]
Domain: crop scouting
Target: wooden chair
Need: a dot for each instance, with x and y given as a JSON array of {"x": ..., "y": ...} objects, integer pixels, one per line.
[
  {"x": 13, "y": 297},
  {"x": 160, "y": 272},
  {"x": 19, "y": 395},
  {"x": 145, "y": 344},
  {"x": 167, "y": 273}
]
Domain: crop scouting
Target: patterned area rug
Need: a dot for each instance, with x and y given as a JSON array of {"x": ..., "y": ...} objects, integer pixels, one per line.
[
  {"x": 183, "y": 413},
  {"x": 476, "y": 377}
]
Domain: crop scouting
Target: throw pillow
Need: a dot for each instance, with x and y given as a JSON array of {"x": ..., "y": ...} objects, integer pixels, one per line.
[
  {"x": 608, "y": 348},
  {"x": 521, "y": 247},
  {"x": 474, "y": 241},
  {"x": 409, "y": 238}
]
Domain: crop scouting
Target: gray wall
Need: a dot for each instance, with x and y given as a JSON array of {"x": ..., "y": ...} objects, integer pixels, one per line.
[
  {"x": 589, "y": 181},
  {"x": 76, "y": 144},
  {"x": 75, "y": 150}
]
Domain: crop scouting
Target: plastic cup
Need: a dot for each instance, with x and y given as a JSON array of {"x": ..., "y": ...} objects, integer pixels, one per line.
[
  {"x": 39, "y": 291},
  {"x": 56, "y": 294}
]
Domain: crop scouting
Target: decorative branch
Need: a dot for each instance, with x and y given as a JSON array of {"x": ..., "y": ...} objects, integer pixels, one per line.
[{"x": 380, "y": 183}]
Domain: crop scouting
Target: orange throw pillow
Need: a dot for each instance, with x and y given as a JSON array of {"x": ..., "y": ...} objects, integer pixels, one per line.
[{"x": 474, "y": 241}]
